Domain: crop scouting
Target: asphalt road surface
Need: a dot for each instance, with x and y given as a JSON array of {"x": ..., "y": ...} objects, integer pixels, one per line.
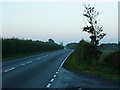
[
  {"x": 33, "y": 71},
  {"x": 71, "y": 79}
]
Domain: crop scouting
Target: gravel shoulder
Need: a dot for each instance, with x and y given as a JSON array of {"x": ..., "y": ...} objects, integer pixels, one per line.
[{"x": 70, "y": 79}]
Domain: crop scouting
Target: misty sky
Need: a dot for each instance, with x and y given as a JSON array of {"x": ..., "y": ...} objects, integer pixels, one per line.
[{"x": 63, "y": 22}]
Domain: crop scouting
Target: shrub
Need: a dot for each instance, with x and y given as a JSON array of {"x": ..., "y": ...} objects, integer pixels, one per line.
[
  {"x": 113, "y": 60},
  {"x": 85, "y": 51}
]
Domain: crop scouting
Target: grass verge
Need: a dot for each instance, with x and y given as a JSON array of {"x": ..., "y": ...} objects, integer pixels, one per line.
[{"x": 97, "y": 70}]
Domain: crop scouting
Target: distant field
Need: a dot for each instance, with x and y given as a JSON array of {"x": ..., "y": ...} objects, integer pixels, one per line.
[
  {"x": 106, "y": 53},
  {"x": 97, "y": 70},
  {"x": 110, "y": 46}
]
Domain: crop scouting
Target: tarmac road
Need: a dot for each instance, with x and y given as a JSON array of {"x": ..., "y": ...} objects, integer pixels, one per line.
[{"x": 34, "y": 71}]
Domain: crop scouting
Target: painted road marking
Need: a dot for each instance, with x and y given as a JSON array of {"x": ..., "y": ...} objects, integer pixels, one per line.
[
  {"x": 79, "y": 88},
  {"x": 29, "y": 62},
  {"x": 23, "y": 64},
  {"x": 56, "y": 72},
  {"x": 51, "y": 80},
  {"x": 54, "y": 75},
  {"x": 65, "y": 60},
  {"x": 59, "y": 68},
  {"x": 45, "y": 56},
  {"x": 39, "y": 58},
  {"x": 48, "y": 85},
  {"x": 9, "y": 69}
]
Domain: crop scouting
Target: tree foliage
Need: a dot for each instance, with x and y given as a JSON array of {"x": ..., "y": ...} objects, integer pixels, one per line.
[
  {"x": 93, "y": 27},
  {"x": 51, "y": 41},
  {"x": 86, "y": 51},
  {"x": 13, "y": 46},
  {"x": 71, "y": 45}
]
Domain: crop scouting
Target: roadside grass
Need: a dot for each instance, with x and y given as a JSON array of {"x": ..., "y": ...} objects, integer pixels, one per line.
[
  {"x": 20, "y": 55},
  {"x": 105, "y": 53},
  {"x": 97, "y": 70}
]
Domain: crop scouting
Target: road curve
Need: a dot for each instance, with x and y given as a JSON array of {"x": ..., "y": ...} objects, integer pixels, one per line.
[{"x": 34, "y": 71}]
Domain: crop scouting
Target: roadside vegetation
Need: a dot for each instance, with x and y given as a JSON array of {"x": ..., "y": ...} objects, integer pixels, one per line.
[
  {"x": 71, "y": 45},
  {"x": 82, "y": 60},
  {"x": 15, "y": 48},
  {"x": 88, "y": 57}
]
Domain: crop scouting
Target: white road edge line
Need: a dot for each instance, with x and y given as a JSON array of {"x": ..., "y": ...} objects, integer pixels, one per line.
[
  {"x": 48, "y": 85},
  {"x": 65, "y": 59},
  {"x": 9, "y": 69}
]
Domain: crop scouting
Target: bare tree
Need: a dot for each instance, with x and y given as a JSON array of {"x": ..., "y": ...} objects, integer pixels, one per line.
[{"x": 92, "y": 27}]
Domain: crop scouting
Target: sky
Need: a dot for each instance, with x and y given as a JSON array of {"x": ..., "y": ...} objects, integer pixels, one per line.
[{"x": 61, "y": 21}]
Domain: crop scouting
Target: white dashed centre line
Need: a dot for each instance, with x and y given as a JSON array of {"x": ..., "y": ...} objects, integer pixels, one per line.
[
  {"x": 23, "y": 64},
  {"x": 51, "y": 80},
  {"x": 29, "y": 62},
  {"x": 39, "y": 58},
  {"x": 54, "y": 76},
  {"x": 48, "y": 85},
  {"x": 9, "y": 69},
  {"x": 56, "y": 72},
  {"x": 45, "y": 56}
]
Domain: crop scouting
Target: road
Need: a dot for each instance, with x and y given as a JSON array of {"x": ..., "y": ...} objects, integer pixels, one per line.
[
  {"x": 34, "y": 71},
  {"x": 72, "y": 79}
]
